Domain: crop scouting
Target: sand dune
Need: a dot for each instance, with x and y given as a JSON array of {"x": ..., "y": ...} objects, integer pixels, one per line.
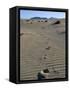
[{"x": 42, "y": 46}]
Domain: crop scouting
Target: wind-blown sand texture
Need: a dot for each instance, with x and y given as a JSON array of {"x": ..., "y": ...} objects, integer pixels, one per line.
[{"x": 42, "y": 45}]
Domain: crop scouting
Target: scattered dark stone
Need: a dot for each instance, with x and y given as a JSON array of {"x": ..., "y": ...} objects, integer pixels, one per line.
[
  {"x": 46, "y": 71},
  {"x": 38, "y": 21},
  {"x": 57, "y": 22},
  {"x": 45, "y": 20}
]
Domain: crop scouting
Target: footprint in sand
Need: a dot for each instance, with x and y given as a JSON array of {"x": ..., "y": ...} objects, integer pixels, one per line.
[
  {"x": 48, "y": 48},
  {"x": 45, "y": 56}
]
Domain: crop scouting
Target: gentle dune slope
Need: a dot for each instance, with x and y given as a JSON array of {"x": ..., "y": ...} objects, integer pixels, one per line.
[{"x": 42, "y": 46}]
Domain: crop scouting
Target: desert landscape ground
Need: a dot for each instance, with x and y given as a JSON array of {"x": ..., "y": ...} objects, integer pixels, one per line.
[{"x": 42, "y": 46}]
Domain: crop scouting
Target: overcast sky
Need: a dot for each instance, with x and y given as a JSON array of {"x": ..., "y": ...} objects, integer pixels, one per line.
[{"x": 27, "y": 14}]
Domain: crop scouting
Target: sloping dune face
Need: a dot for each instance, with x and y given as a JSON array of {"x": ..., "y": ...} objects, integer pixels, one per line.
[{"x": 42, "y": 46}]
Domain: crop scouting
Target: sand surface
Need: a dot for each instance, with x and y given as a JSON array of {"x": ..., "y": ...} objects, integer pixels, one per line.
[{"x": 42, "y": 45}]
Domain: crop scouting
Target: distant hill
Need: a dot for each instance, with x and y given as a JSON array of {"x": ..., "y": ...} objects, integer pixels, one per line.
[
  {"x": 52, "y": 18},
  {"x": 38, "y": 18}
]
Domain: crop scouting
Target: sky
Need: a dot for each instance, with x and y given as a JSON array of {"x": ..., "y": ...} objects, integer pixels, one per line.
[{"x": 27, "y": 14}]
